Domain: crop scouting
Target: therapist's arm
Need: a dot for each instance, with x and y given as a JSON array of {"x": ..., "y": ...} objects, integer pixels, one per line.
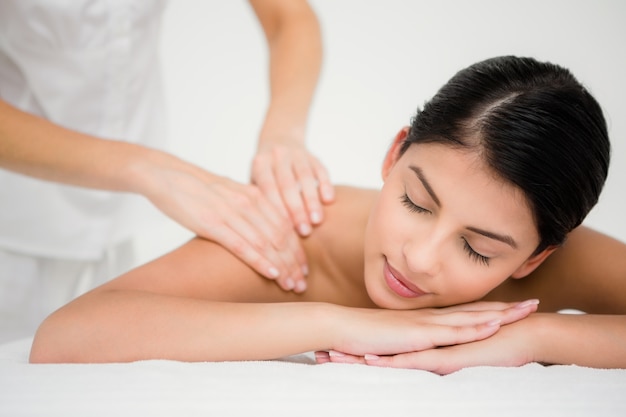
[
  {"x": 283, "y": 168},
  {"x": 235, "y": 215}
]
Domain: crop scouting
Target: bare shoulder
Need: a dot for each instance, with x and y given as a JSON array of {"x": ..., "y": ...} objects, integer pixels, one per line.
[
  {"x": 345, "y": 221},
  {"x": 351, "y": 203},
  {"x": 588, "y": 273},
  {"x": 201, "y": 269},
  {"x": 204, "y": 269},
  {"x": 335, "y": 248}
]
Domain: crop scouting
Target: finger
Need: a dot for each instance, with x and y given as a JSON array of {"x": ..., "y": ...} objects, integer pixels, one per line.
[
  {"x": 450, "y": 359},
  {"x": 287, "y": 246},
  {"x": 322, "y": 356},
  {"x": 309, "y": 187},
  {"x": 268, "y": 263},
  {"x": 288, "y": 272},
  {"x": 290, "y": 190},
  {"x": 438, "y": 361},
  {"x": 248, "y": 233},
  {"x": 310, "y": 196},
  {"x": 294, "y": 259},
  {"x": 444, "y": 335},
  {"x": 341, "y": 357},
  {"x": 476, "y": 306},
  {"x": 264, "y": 178},
  {"x": 298, "y": 262},
  {"x": 247, "y": 253},
  {"x": 508, "y": 314},
  {"x": 520, "y": 311},
  {"x": 325, "y": 187}
]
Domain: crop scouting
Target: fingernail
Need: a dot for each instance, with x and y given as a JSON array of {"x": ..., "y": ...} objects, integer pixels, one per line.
[
  {"x": 527, "y": 303},
  {"x": 321, "y": 354},
  {"x": 370, "y": 357},
  {"x": 335, "y": 354},
  {"x": 300, "y": 286},
  {"x": 494, "y": 323},
  {"x": 304, "y": 229},
  {"x": 289, "y": 284},
  {"x": 328, "y": 193},
  {"x": 316, "y": 217},
  {"x": 273, "y": 272}
]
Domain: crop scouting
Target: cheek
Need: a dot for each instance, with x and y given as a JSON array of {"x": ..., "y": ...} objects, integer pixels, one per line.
[
  {"x": 378, "y": 226},
  {"x": 466, "y": 282},
  {"x": 389, "y": 218}
]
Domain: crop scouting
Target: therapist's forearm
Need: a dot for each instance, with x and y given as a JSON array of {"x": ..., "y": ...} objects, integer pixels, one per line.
[
  {"x": 295, "y": 49},
  {"x": 33, "y": 146}
]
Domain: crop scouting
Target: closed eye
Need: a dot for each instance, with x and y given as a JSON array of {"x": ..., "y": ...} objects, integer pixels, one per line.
[
  {"x": 406, "y": 201},
  {"x": 475, "y": 255}
]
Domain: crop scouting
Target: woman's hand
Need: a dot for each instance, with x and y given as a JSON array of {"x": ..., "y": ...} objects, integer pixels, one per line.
[
  {"x": 237, "y": 216},
  {"x": 294, "y": 181},
  {"x": 444, "y": 340},
  {"x": 511, "y": 346}
]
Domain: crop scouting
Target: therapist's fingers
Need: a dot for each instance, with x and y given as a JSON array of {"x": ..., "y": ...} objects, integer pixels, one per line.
[
  {"x": 315, "y": 186},
  {"x": 257, "y": 232},
  {"x": 291, "y": 187},
  {"x": 285, "y": 243},
  {"x": 262, "y": 175},
  {"x": 272, "y": 172},
  {"x": 237, "y": 216},
  {"x": 325, "y": 188},
  {"x": 285, "y": 246},
  {"x": 295, "y": 180}
]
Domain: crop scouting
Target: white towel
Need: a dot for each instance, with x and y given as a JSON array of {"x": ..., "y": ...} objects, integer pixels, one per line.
[{"x": 295, "y": 386}]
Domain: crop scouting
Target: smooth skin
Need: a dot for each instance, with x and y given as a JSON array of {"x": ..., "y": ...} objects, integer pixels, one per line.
[
  {"x": 200, "y": 303},
  {"x": 290, "y": 176},
  {"x": 258, "y": 223}
]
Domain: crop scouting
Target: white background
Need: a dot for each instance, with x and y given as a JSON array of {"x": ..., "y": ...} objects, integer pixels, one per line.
[{"x": 382, "y": 59}]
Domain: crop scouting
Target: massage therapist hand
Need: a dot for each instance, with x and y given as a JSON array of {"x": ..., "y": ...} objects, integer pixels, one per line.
[
  {"x": 239, "y": 217},
  {"x": 295, "y": 182},
  {"x": 293, "y": 179}
]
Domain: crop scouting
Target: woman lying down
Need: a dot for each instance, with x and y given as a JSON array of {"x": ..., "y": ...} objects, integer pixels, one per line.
[{"x": 443, "y": 268}]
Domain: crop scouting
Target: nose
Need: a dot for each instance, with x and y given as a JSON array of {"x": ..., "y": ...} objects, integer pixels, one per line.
[{"x": 423, "y": 255}]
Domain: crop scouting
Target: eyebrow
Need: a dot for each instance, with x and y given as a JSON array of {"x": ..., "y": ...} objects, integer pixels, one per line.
[
  {"x": 429, "y": 189},
  {"x": 420, "y": 175},
  {"x": 502, "y": 238}
]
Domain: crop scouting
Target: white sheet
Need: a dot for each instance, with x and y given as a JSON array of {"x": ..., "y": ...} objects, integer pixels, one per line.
[{"x": 295, "y": 385}]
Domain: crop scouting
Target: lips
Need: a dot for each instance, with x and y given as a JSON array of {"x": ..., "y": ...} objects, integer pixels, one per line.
[{"x": 398, "y": 284}]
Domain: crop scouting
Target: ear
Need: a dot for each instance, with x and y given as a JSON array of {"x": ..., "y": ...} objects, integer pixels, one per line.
[
  {"x": 393, "y": 154},
  {"x": 532, "y": 263}
]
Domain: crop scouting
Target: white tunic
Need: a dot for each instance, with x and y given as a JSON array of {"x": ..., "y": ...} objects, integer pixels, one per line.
[{"x": 92, "y": 66}]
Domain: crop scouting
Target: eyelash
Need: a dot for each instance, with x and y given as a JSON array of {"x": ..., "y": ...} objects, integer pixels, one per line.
[
  {"x": 411, "y": 205},
  {"x": 475, "y": 256}
]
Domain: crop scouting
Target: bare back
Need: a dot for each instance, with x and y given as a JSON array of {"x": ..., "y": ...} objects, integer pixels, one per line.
[{"x": 205, "y": 270}]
